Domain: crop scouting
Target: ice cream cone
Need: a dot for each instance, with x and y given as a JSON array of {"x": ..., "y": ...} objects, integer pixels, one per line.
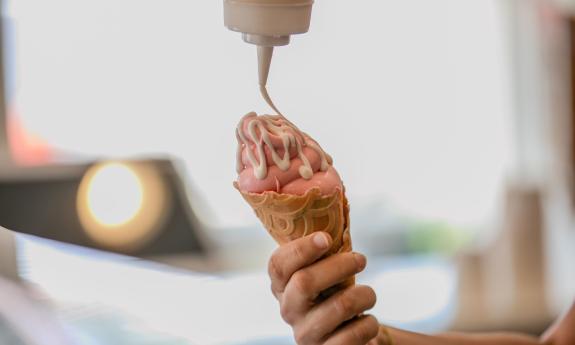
[{"x": 288, "y": 217}]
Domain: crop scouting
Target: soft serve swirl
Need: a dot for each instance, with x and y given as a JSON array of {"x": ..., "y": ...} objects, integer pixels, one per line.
[{"x": 274, "y": 155}]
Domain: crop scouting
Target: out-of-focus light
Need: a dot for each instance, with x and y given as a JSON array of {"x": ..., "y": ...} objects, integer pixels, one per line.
[
  {"x": 115, "y": 194},
  {"x": 121, "y": 205}
]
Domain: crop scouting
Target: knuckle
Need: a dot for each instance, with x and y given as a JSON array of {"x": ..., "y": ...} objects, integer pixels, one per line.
[
  {"x": 372, "y": 327},
  {"x": 313, "y": 331},
  {"x": 277, "y": 291},
  {"x": 303, "y": 282},
  {"x": 358, "y": 334},
  {"x": 287, "y": 314},
  {"x": 344, "y": 304},
  {"x": 346, "y": 263},
  {"x": 365, "y": 330},
  {"x": 299, "y": 252},
  {"x": 300, "y": 337},
  {"x": 368, "y": 329},
  {"x": 275, "y": 270}
]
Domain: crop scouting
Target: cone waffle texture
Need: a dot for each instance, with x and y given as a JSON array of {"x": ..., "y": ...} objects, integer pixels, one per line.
[{"x": 288, "y": 217}]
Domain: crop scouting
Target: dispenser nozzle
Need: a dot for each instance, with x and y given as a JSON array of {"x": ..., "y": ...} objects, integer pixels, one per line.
[
  {"x": 265, "y": 54},
  {"x": 267, "y": 24},
  {"x": 264, "y": 62}
]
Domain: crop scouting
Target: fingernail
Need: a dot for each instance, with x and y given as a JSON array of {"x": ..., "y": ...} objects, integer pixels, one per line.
[
  {"x": 321, "y": 241},
  {"x": 360, "y": 260}
]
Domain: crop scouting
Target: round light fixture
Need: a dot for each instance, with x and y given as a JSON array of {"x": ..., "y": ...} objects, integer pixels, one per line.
[
  {"x": 122, "y": 205},
  {"x": 115, "y": 195}
]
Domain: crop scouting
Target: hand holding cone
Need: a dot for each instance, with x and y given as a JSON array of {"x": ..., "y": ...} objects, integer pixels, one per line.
[{"x": 288, "y": 217}]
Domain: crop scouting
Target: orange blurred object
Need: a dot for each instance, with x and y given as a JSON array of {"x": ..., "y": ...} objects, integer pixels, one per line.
[{"x": 26, "y": 148}]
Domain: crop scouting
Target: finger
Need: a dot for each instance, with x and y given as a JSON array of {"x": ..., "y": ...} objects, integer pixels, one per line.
[
  {"x": 343, "y": 306},
  {"x": 306, "y": 284},
  {"x": 292, "y": 256},
  {"x": 357, "y": 332}
]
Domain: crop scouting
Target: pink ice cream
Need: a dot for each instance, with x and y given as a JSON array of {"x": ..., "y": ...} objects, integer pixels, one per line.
[{"x": 274, "y": 155}]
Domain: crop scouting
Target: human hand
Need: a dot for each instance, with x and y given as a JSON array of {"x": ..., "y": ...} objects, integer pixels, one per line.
[{"x": 298, "y": 277}]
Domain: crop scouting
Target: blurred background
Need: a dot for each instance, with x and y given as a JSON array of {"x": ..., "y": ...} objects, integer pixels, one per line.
[{"x": 450, "y": 121}]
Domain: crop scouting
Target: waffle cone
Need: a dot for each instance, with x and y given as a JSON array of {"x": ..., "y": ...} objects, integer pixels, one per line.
[{"x": 288, "y": 217}]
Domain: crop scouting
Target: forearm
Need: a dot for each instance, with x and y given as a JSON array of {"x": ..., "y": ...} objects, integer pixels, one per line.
[
  {"x": 487, "y": 338},
  {"x": 561, "y": 333},
  {"x": 400, "y": 337}
]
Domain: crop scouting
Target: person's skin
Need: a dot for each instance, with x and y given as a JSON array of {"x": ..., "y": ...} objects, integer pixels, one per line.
[{"x": 299, "y": 274}]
